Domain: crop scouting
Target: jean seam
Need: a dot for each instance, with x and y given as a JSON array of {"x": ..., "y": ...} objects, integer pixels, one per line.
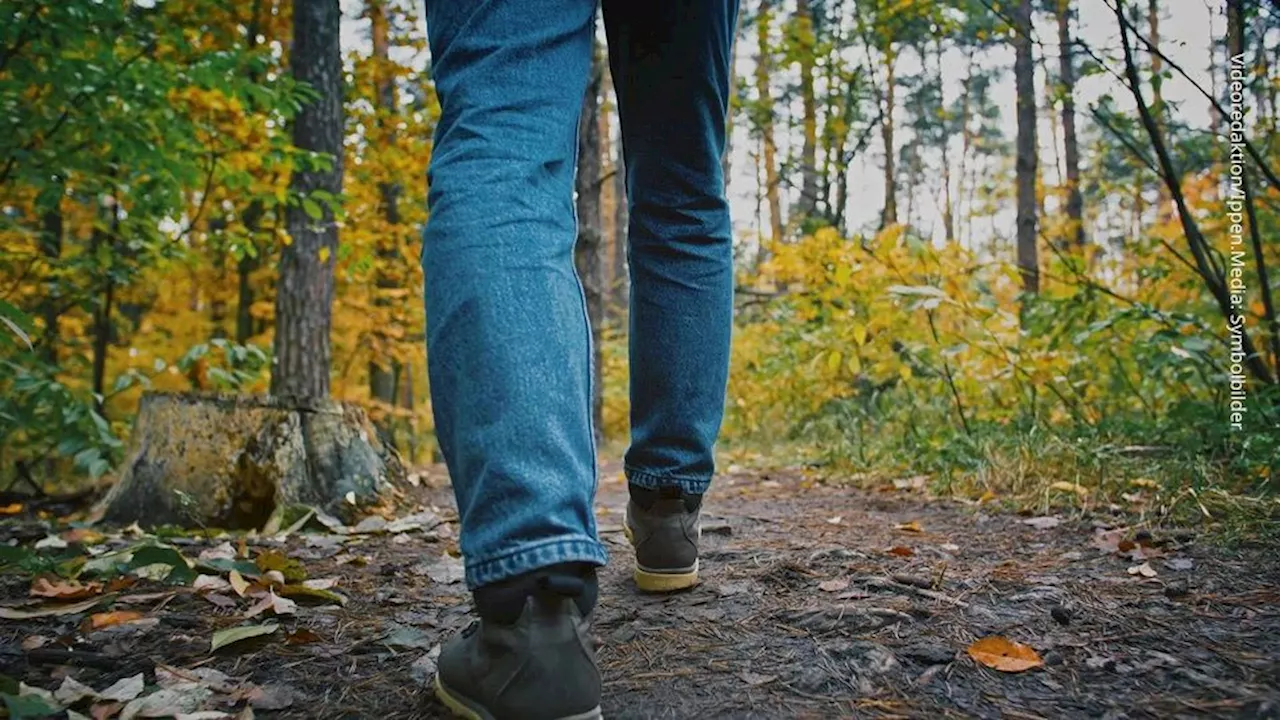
[
  {"x": 693, "y": 483},
  {"x": 532, "y": 557}
]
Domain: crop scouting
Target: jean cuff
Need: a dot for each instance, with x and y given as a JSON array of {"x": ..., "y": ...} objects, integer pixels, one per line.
[
  {"x": 692, "y": 485},
  {"x": 534, "y": 556}
]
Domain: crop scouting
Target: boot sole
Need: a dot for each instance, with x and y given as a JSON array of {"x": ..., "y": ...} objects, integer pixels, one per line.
[
  {"x": 469, "y": 710},
  {"x": 656, "y": 581}
]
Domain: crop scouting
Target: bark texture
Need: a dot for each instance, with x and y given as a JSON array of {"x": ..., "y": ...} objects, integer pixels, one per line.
[
  {"x": 304, "y": 293},
  {"x": 1024, "y": 80},
  {"x": 588, "y": 253},
  {"x": 1071, "y": 145}
]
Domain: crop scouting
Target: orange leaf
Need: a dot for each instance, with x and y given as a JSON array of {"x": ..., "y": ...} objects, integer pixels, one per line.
[
  {"x": 1004, "y": 654},
  {"x": 58, "y": 589},
  {"x": 901, "y": 551},
  {"x": 13, "y": 509},
  {"x": 913, "y": 527},
  {"x": 97, "y": 621}
]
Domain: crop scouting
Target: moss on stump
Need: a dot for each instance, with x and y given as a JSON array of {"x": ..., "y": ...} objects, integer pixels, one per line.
[{"x": 228, "y": 461}]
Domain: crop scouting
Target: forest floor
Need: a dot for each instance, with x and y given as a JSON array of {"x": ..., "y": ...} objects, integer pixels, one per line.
[{"x": 815, "y": 602}]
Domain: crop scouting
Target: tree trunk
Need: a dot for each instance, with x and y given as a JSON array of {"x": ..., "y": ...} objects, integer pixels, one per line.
[
  {"x": 764, "y": 69},
  {"x": 51, "y": 249},
  {"x": 1071, "y": 145},
  {"x": 304, "y": 294},
  {"x": 621, "y": 283},
  {"x": 948, "y": 206},
  {"x": 1024, "y": 80},
  {"x": 252, "y": 216},
  {"x": 805, "y": 52},
  {"x": 890, "y": 214},
  {"x": 105, "y": 305},
  {"x": 383, "y": 369},
  {"x": 587, "y": 253},
  {"x": 1271, "y": 324},
  {"x": 1164, "y": 207}
]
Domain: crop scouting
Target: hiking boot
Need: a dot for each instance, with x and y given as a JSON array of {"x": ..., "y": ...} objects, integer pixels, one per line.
[
  {"x": 663, "y": 527},
  {"x": 530, "y": 660}
]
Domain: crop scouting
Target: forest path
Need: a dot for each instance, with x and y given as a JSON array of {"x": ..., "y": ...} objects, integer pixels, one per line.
[{"x": 815, "y": 602}]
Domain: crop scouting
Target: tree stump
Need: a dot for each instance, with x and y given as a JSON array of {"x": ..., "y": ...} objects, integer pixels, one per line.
[{"x": 229, "y": 461}]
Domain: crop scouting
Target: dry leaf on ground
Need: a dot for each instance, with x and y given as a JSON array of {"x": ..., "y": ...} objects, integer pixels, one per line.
[
  {"x": 1005, "y": 655},
  {"x": 227, "y": 636},
  {"x": 8, "y": 613},
  {"x": 911, "y": 527},
  {"x": 97, "y": 621},
  {"x": 901, "y": 551},
  {"x": 1145, "y": 570},
  {"x": 1047, "y": 522},
  {"x": 59, "y": 589}
]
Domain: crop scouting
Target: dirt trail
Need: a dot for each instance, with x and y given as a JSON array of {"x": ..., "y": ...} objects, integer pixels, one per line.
[{"x": 810, "y": 607}]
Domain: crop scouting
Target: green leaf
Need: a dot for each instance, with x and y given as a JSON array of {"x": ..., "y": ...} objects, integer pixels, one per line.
[
  {"x": 21, "y": 707},
  {"x": 228, "y": 636},
  {"x": 312, "y": 208}
]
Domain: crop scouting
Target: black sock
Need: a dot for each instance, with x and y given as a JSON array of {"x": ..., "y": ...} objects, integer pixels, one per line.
[
  {"x": 646, "y": 497},
  {"x": 503, "y": 602}
]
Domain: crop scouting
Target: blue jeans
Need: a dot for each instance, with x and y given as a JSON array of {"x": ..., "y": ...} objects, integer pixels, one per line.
[{"x": 507, "y": 331}]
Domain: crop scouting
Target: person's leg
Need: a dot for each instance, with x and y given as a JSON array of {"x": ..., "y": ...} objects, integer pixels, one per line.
[
  {"x": 507, "y": 336},
  {"x": 670, "y": 64},
  {"x": 508, "y": 352}
]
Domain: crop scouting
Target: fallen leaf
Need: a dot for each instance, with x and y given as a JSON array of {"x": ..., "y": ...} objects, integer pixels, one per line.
[
  {"x": 238, "y": 583},
  {"x": 31, "y": 642},
  {"x": 103, "y": 711},
  {"x": 901, "y": 551},
  {"x": 835, "y": 520},
  {"x": 173, "y": 701},
  {"x": 1043, "y": 523},
  {"x": 83, "y": 536},
  {"x": 1144, "y": 483},
  {"x": 125, "y": 689},
  {"x": 11, "y": 509},
  {"x": 304, "y": 591},
  {"x": 987, "y": 497},
  {"x": 97, "y": 621},
  {"x": 911, "y": 527},
  {"x": 209, "y": 583},
  {"x": 1070, "y": 487},
  {"x": 320, "y": 584},
  {"x": 7, "y": 613},
  {"x": 59, "y": 589},
  {"x": 220, "y": 552},
  {"x": 425, "y": 520},
  {"x": 29, "y": 705},
  {"x": 50, "y": 542},
  {"x": 1145, "y": 570},
  {"x": 1003, "y": 654},
  {"x": 72, "y": 691},
  {"x": 231, "y": 635},
  {"x": 1109, "y": 540},
  {"x": 276, "y": 604},
  {"x": 274, "y": 560},
  {"x": 833, "y": 585}
]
